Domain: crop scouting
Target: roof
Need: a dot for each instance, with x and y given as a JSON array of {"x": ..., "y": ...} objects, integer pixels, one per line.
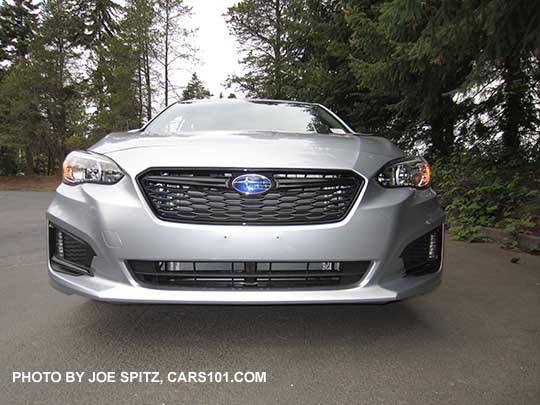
[{"x": 229, "y": 100}]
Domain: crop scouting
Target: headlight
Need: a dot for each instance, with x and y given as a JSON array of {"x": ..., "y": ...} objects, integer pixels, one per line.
[
  {"x": 84, "y": 167},
  {"x": 407, "y": 172}
]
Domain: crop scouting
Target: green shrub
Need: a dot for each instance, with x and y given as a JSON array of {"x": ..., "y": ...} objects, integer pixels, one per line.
[{"x": 480, "y": 191}]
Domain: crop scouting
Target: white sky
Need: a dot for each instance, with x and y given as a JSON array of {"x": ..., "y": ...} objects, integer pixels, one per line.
[{"x": 217, "y": 49}]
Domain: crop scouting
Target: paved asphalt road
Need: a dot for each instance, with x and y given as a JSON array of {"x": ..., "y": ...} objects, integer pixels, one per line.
[{"x": 474, "y": 340}]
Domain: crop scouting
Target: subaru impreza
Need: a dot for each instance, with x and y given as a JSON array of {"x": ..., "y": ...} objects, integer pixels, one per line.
[{"x": 245, "y": 202}]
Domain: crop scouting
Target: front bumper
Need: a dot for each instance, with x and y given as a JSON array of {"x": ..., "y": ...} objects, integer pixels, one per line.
[{"x": 118, "y": 225}]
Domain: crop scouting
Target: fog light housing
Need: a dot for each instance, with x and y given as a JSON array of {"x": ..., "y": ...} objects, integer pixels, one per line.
[
  {"x": 68, "y": 253},
  {"x": 424, "y": 255}
]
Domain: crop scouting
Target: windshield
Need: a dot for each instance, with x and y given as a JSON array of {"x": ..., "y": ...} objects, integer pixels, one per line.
[{"x": 246, "y": 116}]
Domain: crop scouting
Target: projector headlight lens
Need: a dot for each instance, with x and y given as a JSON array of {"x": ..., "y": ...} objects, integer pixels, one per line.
[
  {"x": 408, "y": 172},
  {"x": 85, "y": 167}
]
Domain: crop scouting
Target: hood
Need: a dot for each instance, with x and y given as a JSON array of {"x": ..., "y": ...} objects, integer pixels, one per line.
[{"x": 137, "y": 151}]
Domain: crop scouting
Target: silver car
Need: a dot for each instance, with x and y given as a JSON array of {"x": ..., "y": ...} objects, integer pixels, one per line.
[{"x": 245, "y": 202}]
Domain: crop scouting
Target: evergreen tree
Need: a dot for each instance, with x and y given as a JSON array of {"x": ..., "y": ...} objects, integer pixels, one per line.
[
  {"x": 195, "y": 89},
  {"x": 18, "y": 22},
  {"x": 143, "y": 36},
  {"x": 322, "y": 40},
  {"x": 300, "y": 49},
  {"x": 101, "y": 21},
  {"x": 506, "y": 64},
  {"x": 512, "y": 30},
  {"x": 264, "y": 29},
  {"x": 174, "y": 46},
  {"x": 121, "y": 103},
  {"x": 22, "y": 125},
  {"x": 41, "y": 87},
  {"x": 392, "y": 60},
  {"x": 58, "y": 45}
]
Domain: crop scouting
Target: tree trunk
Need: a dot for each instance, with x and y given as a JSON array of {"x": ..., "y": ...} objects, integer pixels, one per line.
[
  {"x": 61, "y": 155},
  {"x": 277, "y": 53},
  {"x": 166, "y": 54},
  {"x": 29, "y": 157},
  {"x": 140, "y": 81},
  {"x": 442, "y": 128},
  {"x": 139, "y": 85},
  {"x": 513, "y": 114},
  {"x": 148, "y": 82},
  {"x": 49, "y": 163}
]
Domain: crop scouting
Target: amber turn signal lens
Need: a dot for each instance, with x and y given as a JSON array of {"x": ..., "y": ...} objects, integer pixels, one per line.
[{"x": 425, "y": 175}]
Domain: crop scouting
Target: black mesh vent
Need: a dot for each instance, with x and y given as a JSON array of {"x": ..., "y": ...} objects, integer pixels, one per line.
[
  {"x": 244, "y": 275},
  {"x": 206, "y": 196},
  {"x": 77, "y": 252},
  {"x": 424, "y": 255},
  {"x": 69, "y": 253}
]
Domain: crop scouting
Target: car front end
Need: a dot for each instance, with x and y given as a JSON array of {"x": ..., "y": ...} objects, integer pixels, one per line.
[{"x": 245, "y": 217}]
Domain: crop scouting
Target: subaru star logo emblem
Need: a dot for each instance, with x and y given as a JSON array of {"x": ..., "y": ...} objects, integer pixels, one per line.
[{"x": 250, "y": 184}]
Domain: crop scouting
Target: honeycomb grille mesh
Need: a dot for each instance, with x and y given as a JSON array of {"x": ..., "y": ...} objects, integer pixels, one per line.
[
  {"x": 76, "y": 252},
  {"x": 206, "y": 196},
  {"x": 424, "y": 255}
]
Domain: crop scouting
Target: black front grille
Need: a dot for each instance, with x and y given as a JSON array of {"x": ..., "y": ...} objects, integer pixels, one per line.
[
  {"x": 68, "y": 253},
  {"x": 424, "y": 255},
  {"x": 244, "y": 275},
  {"x": 206, "y": 196}
]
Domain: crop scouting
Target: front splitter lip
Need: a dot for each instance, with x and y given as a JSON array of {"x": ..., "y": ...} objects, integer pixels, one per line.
[{"x": 105, "y": 290}]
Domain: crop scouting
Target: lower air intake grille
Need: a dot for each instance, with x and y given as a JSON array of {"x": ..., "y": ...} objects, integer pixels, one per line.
[
  {"x": 207, "y": 196},
  {"x": 424, "y": 255},
  {"x": 247, "y": 274},
  {"x": 68, "y": 253}
]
